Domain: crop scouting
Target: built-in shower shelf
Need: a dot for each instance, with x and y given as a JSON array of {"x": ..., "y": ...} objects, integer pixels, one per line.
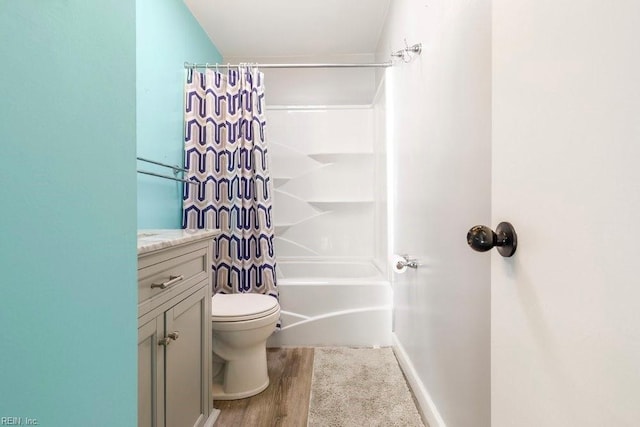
[
  {"x": 328, "y": 204},
  {"x": 336, "y": 157},
  {"x": 350, "y": 200},
  {"x": 282, "y": 227},
  {"x": 280, "y": 180},
  {"x": 301, "y": 249}
]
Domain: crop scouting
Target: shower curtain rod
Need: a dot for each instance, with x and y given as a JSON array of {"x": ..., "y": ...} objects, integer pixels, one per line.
[
  {"x": 328, "y": 65},
  {"x": 404, "y": 54}
]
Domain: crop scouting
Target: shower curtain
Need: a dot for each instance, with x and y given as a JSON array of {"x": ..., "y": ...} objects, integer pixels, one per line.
[{"x": 225, "y": 151}]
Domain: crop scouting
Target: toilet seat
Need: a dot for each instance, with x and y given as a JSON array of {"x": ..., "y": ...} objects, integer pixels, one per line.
[{"x": 242, "y": 307}]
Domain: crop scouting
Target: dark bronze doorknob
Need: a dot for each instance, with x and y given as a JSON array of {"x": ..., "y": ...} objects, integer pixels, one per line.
[{"x": 481, "y": 238}]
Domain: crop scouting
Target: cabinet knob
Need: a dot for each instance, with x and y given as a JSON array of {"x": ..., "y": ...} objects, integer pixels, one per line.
[{"x": 172, "y": 336}]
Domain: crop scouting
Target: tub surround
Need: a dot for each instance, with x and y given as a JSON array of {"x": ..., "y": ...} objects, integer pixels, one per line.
[
  {"x": 314, "y": 150},
  {"x": 153, "y": 240}
]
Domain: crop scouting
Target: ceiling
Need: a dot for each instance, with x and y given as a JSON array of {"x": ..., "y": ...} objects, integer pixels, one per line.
[{"x": 285, "y": 28}]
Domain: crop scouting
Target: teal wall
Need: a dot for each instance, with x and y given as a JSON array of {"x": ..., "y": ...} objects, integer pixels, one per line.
[
  {"x": 68, "y": 228},
  {"x": 167, "y": 36}
]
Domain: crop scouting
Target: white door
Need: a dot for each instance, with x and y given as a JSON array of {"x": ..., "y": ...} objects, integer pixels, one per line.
[{"x": 565, "y": 310}]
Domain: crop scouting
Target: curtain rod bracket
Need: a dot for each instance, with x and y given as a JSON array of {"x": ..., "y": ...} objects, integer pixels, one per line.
[{"x": 405, "y": 54}]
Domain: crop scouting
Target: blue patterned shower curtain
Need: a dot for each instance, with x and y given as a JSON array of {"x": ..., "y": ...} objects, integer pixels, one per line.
[{"x": 225, "y": 151}]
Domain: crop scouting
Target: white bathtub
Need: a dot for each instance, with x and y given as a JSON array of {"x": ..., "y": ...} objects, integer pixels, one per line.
[{"x": 332, "y": 303}]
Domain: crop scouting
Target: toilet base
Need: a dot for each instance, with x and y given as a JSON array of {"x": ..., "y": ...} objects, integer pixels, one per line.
[
  {"x": 243, "y": 377},
  {"x": 219, "y": 394}
]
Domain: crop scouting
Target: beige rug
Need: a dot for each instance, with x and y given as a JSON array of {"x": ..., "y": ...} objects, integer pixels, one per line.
[{"x": 359, "y": 387}]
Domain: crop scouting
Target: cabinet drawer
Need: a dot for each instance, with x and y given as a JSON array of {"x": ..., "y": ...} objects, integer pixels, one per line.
[{"x": 171, "y": 270}]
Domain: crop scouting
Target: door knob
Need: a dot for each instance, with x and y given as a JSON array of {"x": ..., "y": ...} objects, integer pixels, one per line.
[{"x": 481, "y": 238}]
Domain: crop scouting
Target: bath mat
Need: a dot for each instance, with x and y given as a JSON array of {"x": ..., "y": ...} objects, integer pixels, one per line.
[{"x": 359, "y": 387}]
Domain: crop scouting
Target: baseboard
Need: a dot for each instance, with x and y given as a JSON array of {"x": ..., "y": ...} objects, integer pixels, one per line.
[
  {"x": 213, "y": 416},
  {"x": 426, "y": 406}
]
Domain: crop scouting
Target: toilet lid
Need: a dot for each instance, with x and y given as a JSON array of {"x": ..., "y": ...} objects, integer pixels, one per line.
[{"x": 237, "y": 307}]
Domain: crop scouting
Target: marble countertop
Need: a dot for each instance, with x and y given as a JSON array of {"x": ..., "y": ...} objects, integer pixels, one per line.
[{"x": 153, "y": 240}]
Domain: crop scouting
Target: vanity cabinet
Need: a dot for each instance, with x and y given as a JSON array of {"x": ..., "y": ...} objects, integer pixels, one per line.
[{"x": 174, "y": 336}]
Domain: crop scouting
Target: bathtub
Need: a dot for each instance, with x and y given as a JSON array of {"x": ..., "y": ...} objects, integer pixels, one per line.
[{"x": 332, "y": 303}]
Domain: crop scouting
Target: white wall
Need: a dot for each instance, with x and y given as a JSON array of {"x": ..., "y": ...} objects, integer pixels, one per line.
[
  {"x": 566, "y": 143},
  {"x": 438, "y": 110}
]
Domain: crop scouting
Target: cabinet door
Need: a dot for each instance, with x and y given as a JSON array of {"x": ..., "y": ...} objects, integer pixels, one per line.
[
  {"x": 187, "y": 359},
  {"x": 150, "y": 374}
]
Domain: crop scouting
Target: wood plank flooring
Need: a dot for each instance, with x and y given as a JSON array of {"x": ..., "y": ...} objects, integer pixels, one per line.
[{"x": 285, "y": 403}]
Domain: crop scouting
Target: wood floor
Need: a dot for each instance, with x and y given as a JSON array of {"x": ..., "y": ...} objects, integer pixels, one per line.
[{"x": 285, "y": 403}]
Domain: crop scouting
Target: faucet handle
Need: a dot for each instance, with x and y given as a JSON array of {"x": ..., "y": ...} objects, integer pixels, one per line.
[{"x": 407, "y": 261}]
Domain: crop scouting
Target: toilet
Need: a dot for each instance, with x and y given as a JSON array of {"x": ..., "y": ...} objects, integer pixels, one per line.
[{"x": 241, "y": 324}]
